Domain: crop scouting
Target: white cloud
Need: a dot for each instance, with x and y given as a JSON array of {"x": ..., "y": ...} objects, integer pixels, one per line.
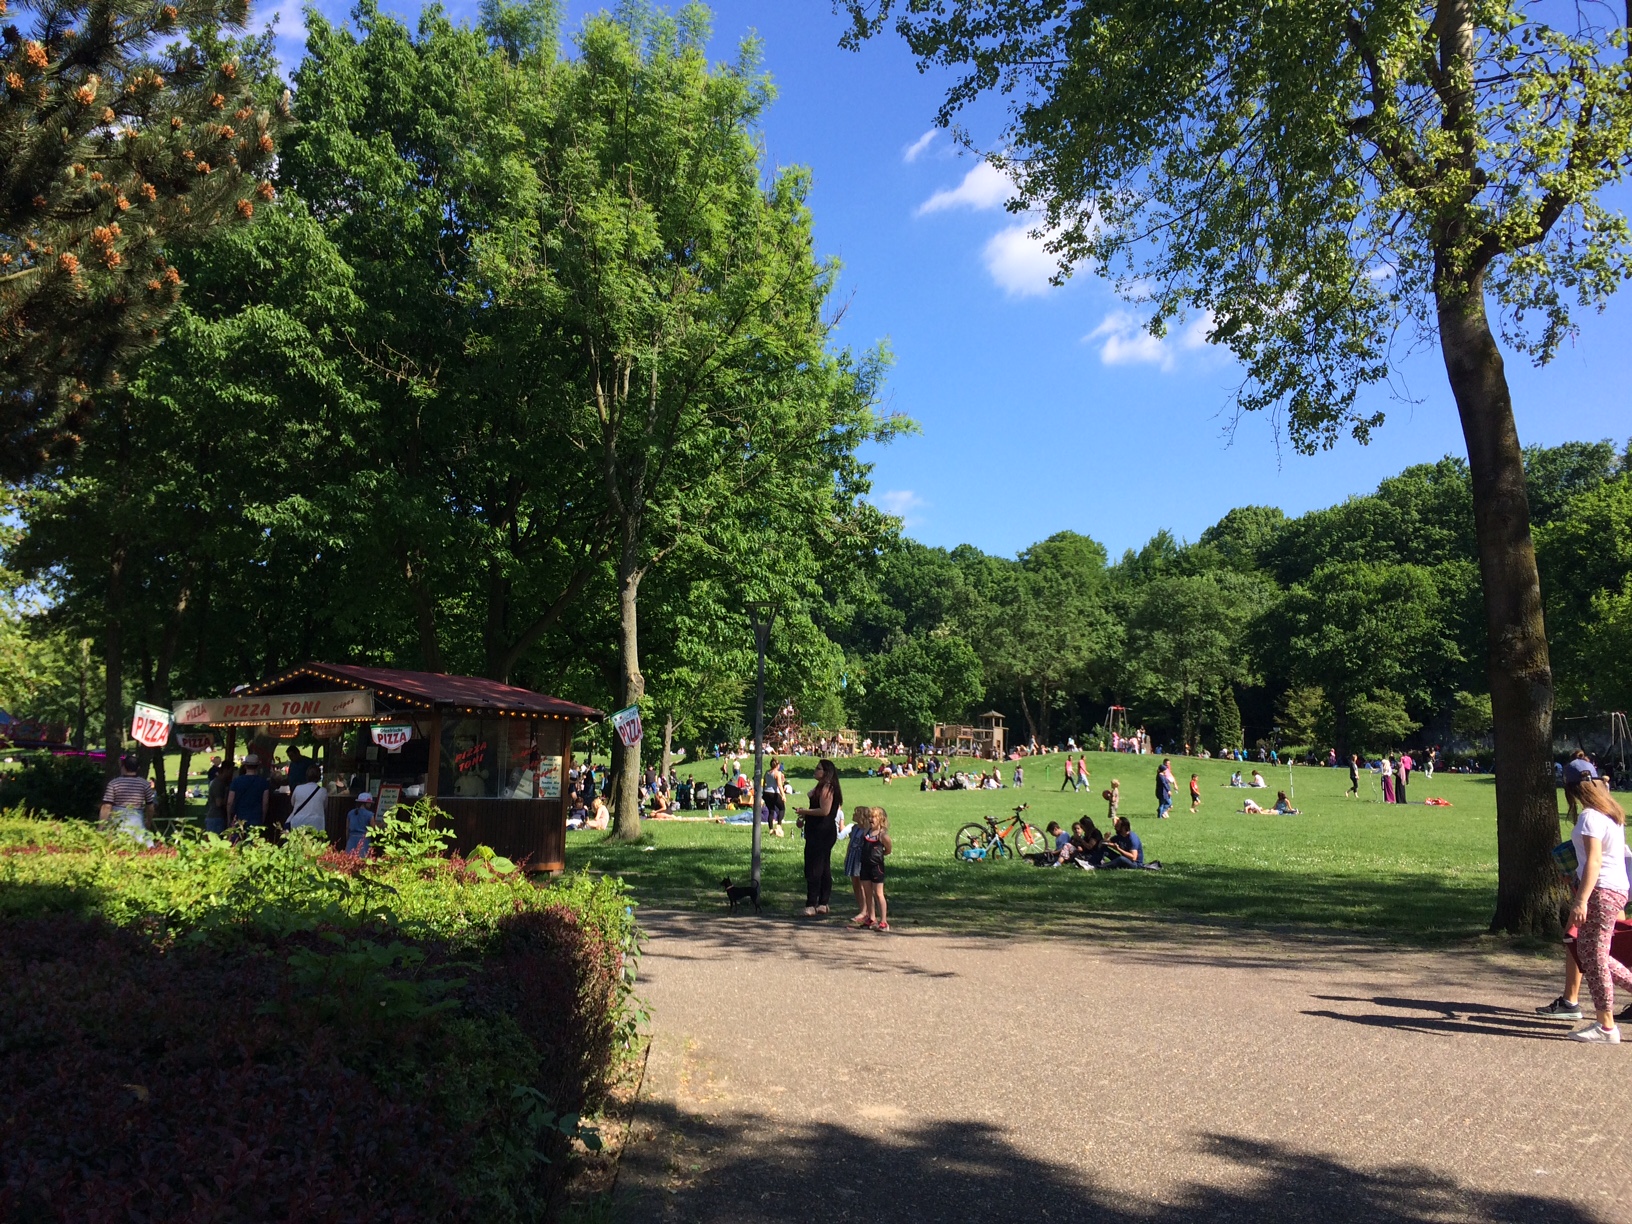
[
  {"x": 913, "y": 151},
  {"x": 1124, "y": 340},
  {"x": 902, "y": 503},
  {"x": 985, "y": 186},
  {"x": 1018, "y": 262}
]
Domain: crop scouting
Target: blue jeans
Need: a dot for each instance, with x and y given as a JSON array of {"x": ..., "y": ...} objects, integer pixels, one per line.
[{"x": 215, "y": 824}]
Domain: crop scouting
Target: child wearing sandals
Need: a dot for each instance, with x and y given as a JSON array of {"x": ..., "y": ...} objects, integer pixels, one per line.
[
  {"x": 852, "y": 861},
  {"x": 875, "y": 844}
]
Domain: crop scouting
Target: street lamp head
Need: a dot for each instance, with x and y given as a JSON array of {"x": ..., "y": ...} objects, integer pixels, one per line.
[{"x": 761, "y": 612}]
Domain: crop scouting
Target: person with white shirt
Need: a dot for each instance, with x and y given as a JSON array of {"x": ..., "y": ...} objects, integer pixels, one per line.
[
  {"x": 309, "y": 803},
  {"x": 1599, "y": 838}
]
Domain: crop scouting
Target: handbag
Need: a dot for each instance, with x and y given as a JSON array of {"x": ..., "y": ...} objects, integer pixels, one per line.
[{"x": 1564, "y": 856}]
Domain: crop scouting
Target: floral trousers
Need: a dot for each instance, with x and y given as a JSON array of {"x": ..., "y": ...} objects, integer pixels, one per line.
[{"x": 1600, "y": 969}]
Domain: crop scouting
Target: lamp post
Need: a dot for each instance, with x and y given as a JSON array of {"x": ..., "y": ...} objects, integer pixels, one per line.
[{"x": 761, "y": 612}]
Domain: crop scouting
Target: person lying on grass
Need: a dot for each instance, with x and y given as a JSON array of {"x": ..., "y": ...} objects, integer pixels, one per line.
[
  {"x": 1283, "y": 807},
  {"x": 1126, "y": 850}
]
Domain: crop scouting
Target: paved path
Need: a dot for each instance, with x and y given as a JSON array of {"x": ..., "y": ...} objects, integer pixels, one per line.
[{"x": 804, "y": 1073}]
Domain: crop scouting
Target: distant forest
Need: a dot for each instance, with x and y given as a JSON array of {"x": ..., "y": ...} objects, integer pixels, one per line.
[{"x": 1360, "y": 625}]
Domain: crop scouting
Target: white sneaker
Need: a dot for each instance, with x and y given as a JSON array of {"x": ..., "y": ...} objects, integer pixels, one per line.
[{"x": 1609, "y": 1036}]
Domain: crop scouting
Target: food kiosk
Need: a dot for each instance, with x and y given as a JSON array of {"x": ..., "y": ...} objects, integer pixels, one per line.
[{"x": 493, "y": 757}]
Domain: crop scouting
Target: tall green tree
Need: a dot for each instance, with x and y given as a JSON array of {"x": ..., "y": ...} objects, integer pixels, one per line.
[
  {"x": 687, "y": 317},
  {"x": 1360, "y": 633},
  {"x": 111, "y": 153},
  {"x": 1312, "y": 179}
]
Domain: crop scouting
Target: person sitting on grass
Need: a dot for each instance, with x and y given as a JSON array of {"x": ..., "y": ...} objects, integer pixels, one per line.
[
  {"x": 1063, "y": 849},
  {"x": 1258, "y": 782},
  {"x": 1126, "y": 850},
  {"x": 1089, "y": 844},
  {"x": 1283, "y": 805},
  {"x": 1235, "y": 779}
]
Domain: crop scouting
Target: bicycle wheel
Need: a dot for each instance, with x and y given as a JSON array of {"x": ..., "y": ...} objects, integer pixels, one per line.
[
  {"x": 999, "y": 848},
  {"x": 1029, "y": 839},
  {"x": 969, "y": 846}
]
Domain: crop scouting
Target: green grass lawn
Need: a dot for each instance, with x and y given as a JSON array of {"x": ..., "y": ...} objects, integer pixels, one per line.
[{"x": 1406, "y": 872}]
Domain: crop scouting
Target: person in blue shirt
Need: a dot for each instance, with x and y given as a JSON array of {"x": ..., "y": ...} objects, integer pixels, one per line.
[
  {"x": 358, "y": 821},
  {"x": 1164, "y": 789},
  {"x": 1126, "y": 850},
  {"x": 249, "y": 795}
]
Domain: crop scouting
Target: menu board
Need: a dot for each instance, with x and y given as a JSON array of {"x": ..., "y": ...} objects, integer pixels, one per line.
[
  {"x": 390, "y": 795},
  {"x": 549, "y": 777}
]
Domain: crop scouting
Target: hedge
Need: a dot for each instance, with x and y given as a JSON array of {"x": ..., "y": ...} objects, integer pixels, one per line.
[{"x": 209, "y": 1031}]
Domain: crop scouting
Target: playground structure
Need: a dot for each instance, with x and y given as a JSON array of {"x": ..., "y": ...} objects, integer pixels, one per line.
[
  {"x": 1116, "y": 724},
  {"x": 986, "y": 740}
]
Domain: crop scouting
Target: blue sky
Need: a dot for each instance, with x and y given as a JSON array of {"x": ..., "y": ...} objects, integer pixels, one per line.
[{"x": 1046, "y": 409}]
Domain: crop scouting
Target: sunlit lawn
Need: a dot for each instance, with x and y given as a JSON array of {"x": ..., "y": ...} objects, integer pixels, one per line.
[{"x": 1412, "y": 872}]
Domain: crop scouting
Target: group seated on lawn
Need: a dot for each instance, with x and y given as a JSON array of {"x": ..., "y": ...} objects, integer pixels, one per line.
[{"x": 1088, "y": 848}]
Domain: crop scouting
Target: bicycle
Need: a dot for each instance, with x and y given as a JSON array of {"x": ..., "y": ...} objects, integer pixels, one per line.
[{"x": 975, "y": 842}]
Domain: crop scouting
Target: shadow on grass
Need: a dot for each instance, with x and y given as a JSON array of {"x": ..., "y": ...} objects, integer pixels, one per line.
[
  {"x": 750, "y": 1168},
  {"x": 1418, "y": 906}
]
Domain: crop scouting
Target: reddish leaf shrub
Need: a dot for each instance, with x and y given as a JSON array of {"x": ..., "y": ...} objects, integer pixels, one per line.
[{"x": 195, "y": 1082}]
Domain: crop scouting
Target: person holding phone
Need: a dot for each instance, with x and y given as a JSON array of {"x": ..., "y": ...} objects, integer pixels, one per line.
[{"x": 821, "y": 833}]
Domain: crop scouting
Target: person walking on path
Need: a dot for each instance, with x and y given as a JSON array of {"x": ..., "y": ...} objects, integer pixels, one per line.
[
  {"x": 1568, "y": 1005},
  {"x": 249, "y": 796},
  {"x": 129, "y": 802},
  {"x": 1354, "y": 777},
  {"x": 817, "y": 820},
  {"x": 1082, "y": 772},
  {"x": 1164, "y": 789},
  {"x": 1599, "y": 837},
  {"x": 1388, "y": 777},
  {"x": 1401, "y": 778},
  {"x": 1070, "y": 778}
]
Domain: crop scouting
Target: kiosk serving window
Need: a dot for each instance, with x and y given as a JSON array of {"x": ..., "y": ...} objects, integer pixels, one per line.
[{"x": 488, "y": 757}]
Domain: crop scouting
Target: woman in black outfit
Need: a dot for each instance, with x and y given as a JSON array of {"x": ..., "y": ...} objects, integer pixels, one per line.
[{"x": 826, "y": 797}]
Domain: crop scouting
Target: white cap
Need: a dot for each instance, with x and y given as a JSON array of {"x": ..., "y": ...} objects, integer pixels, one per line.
[{"x": 365, "y": 797}]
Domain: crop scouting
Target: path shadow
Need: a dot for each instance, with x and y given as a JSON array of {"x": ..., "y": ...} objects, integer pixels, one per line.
[
  {"x": 710, "y": 1171},
  {"x": 1443, "y": 1017}
]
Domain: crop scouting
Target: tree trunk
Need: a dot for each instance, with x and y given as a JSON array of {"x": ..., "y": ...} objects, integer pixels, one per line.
[
  {"x": 1340, "y": 728},
  {"x": 1521, "y": 677},
  {"x": 667, "y": 761},
  {"x": 113, "y": 703},
  {"x": 632, "y": 687},
  {"x": 1025, "y": 708}
]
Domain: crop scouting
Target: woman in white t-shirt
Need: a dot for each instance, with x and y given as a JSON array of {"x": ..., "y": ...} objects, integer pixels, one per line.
[
  {"x": 309, "y": 803},
  {"x": 1601, "y": 886}
]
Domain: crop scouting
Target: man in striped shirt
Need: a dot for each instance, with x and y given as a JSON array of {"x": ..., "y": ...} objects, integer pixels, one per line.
[{"x": 128, "y": 801}]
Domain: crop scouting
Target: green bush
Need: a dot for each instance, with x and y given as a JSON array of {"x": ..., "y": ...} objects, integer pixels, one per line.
[
  {"x": 466, "y": 1014},
  {"x": 67, "y": 787}
]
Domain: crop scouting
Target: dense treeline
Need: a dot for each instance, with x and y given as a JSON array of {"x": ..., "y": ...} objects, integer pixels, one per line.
[
  {"x": 1355, "y": 627},
  {"x": 526, "y": 373}
]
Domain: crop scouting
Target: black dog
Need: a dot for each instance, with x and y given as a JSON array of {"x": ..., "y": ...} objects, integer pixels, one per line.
[{"x": 737, "y": 893}]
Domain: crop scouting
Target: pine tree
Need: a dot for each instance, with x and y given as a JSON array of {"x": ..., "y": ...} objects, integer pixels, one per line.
[
  {"x": 109, "y": 152},
  {"x": 1226, "y": 719}
]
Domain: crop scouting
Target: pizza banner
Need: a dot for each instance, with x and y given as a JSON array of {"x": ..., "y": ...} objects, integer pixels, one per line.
[
  {"x": 295, "y": 708},
  {"x": 196, "y": 741},
  {"x": 150, "y": 727},
  {"x": 627, "y": 724}
]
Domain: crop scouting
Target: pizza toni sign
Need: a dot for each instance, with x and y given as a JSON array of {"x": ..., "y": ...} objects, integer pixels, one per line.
[{"x": 341, "y": 706}]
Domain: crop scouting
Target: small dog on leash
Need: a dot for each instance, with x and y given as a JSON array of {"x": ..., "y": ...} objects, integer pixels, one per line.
[{"x": 736, "y": 894}]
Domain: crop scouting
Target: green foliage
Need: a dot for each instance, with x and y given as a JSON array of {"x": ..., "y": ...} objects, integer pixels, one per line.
[
  {"x": 1226, "y": 718},
  {"x": 1470, "y": 715},
  {"x": 112, "y": 153},
  {"x": 410, "y": 831},
  {"x": 1308, "y": 180},
  {"x": 1378, "y": 719},
  {"x": 919, "y": 683},
  {"x": 68, "y": 787}
]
